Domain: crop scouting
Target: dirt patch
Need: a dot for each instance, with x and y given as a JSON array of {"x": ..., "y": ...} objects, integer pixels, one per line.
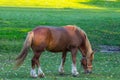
[{"x": 109, "y": 49}]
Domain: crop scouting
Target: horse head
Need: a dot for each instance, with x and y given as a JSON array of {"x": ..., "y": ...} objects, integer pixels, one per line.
[{"x": 86, "y": 62}]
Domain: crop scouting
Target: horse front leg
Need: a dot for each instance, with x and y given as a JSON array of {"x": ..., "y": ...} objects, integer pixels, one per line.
[
  {"x": 61, "y": 67},
  {"x": 74, "y": 69}
]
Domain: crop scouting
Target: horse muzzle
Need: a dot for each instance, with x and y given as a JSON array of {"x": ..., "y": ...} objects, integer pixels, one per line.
[{"x": 88, "y": 71}]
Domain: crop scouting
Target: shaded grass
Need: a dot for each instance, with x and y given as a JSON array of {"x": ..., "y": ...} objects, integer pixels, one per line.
[{"x": 103, "y": 3}]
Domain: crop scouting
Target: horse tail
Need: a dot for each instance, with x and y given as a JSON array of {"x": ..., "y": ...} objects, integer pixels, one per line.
[{"x": 20, "y": 59}]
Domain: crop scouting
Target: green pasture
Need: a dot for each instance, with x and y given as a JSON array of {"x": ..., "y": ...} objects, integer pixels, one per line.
[{"x": 101, "y": 25}]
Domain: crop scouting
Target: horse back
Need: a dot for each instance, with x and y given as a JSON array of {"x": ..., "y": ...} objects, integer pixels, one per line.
[
  {"x": 55, "y": 39},
  {"x": 59, "y": 41}
]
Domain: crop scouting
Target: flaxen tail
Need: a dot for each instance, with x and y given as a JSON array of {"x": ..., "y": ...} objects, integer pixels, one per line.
[{"x": 27, "y": 44}]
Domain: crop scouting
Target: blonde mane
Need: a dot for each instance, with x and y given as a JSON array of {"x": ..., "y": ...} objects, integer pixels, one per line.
[
  {"x": 71, "y": 27},
  {"x": 87, "y": 45},
  {"x": 87, "y": 42}
]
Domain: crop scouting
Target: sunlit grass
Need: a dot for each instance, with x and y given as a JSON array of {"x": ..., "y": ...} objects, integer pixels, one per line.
[{"x": 47, "y": 3}]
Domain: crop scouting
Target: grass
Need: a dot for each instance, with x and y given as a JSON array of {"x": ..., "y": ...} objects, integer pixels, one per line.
[
  {"x": 101, "y": 25},
  {"x": 104, "y": 4},
  {"x": 106, "y": 66},
  {"x": 100, "y": 22}
]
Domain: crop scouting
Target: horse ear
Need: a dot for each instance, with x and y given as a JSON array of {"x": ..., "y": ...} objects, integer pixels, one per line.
[{"x": 92, "y": 54}]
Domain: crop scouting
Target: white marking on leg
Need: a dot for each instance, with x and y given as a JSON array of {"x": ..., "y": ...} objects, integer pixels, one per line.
[
  {"x": 33, "y": 73},
  {"x": 40, "y": 72},
  {"x": 74, "y": 70},
  {"x": 61, "y": 69}
]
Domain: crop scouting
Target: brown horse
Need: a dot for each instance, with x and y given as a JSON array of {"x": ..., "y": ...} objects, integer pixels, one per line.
[{"x": 62, "y": 39}]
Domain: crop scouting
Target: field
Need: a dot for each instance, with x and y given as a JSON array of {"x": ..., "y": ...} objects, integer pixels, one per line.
[{"x": 101, "y": 25}]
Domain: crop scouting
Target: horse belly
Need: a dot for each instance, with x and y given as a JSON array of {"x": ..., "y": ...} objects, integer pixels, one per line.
[
  {"x": 57, "y": 49},
  {"x": 58, "y": 45}
]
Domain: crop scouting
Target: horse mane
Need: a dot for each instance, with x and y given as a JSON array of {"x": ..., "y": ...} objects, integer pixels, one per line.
[
  {"x": 87, "y": 43},
  {"x": 70, "y": 27}
]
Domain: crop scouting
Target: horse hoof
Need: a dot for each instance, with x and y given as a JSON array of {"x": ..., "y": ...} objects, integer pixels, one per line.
[
  {"x": 41, "y": 75},
  {"x": 61, "y": 73},
  {"x": 75, "y": 74},
  {"x": 34, "y": 76}
]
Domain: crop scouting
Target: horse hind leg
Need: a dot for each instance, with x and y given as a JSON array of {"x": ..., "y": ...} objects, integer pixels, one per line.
[
  {"x": 40, "y": 72},
  {"x": 61, "y": 67},
  {"x": 35, "y": 61},
  {"x": 33, "y": 71}
]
